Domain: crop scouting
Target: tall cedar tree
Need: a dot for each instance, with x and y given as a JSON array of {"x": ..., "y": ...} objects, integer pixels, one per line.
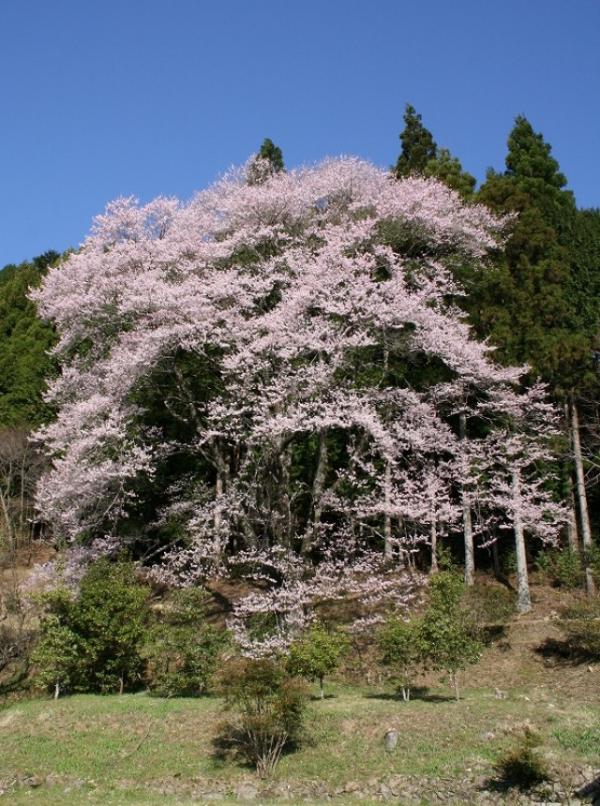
[
  {"x": 418, "y": 145},
  {"x": 24, "y": 343},
  {"x": 538, "y": 303},
  {"x": 267, "y": 162},
  {"x": 523, "y": 304},
  {"x": 269, "y": 151},
  {"x": 420, "y": 155}
]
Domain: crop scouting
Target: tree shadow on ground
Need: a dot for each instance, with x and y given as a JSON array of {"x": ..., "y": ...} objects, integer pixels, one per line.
[
  {"x": 563, "y": 653},
  {"x": 422, "y": 693}
]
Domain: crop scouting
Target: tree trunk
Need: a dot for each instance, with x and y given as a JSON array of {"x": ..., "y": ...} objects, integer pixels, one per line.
[
  {"x": 10, "y": 534},
  {"x": 498, "y": 573},
  {"x": 56, "y": 690},
  {"x": 572, "y": 532},
  {"x": 286, "y": 528},
  {"x": 455, "y": 683},
  {"x": 218, "y": 496},
  {"x": 586, "y": 532},
  {"x": 434, "y": 559},
  {"x": 467, "y": 521},
  {"x": 317, "y": 494},
  {"x": 523, "y": 595},
  {"x": 387, "y": 518},
  {"x": 321, "y": 689}
]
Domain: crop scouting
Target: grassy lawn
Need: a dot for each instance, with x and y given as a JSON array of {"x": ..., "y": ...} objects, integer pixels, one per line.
[{"x": 139, "y": 749}]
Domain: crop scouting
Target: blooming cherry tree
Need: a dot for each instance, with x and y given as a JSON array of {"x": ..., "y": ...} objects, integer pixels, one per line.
[{"x": 276, "y": 364}]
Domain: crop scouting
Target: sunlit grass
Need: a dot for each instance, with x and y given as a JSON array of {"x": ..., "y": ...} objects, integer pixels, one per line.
[{"x": 122, "y": 749}]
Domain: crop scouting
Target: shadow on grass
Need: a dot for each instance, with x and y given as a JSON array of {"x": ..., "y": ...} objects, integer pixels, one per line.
[{"x": 421, "y": 693}]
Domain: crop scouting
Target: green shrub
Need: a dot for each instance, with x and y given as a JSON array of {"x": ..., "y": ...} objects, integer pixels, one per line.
[
  {"x": 182, "y": 649},
  {"x": 490, "y": 607},
  {"x": 543, "y": 564},
  {"x": 561, "y": 567},
  {"x": 580, "y": 625},
  {"x": 594, "y": 561},
  {"x": 403, "y": 649},
  {"x": 568, "y": 570},
  {"x": 317, "y": 654},
  {"x": 521, "y": 766},
  {"x": 509, "y": 562},
  {"x": 92, "y": 641},
  {"x": 268, "y": 707}
]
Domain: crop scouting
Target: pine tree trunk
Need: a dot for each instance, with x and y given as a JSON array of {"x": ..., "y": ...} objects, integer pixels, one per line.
[
  {"x": 523, "y": 595},
  {"x": 467, "y": 521},
  {"x": 586, "y": 532}
]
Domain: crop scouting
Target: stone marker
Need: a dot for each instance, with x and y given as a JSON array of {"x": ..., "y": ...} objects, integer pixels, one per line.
[{"x": 390, "y": 740}]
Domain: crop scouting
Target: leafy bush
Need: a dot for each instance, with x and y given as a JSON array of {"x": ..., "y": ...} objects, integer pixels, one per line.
[
  {"x": 509, "y": 562},
  {"x": 447, "y": 628},
  {"x": 403, "y": 649},
  {"x": 580, "y": 625},
  {"x": 92, "y": 641},
  {"x": 269, "y": 707},
  {"x": 317, "y": 654},
  {"x": 562, "y": 567},
  {"x": 594, "y": 561},
  {"x": 521, "y": 766},
  {"x": 489, "y": 608},
  {"x": 182, "y": 649},
  {"x": 543, "y": 564}
]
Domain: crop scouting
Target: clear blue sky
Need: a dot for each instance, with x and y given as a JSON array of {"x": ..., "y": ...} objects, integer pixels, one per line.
[{"x": 140, "y": 97}]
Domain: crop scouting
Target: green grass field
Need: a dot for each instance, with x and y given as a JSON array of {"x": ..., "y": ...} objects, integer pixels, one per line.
[{"x": 138, "y": 749}]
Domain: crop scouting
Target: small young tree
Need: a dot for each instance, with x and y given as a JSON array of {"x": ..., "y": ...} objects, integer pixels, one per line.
[
  {"x": 317, "y": 654},
  {"x": 57, "y": 655},
  {"x": 402, "y": 649},
  {"x": 446, "y": 632},
  {"x": 269, "y": 706}
]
